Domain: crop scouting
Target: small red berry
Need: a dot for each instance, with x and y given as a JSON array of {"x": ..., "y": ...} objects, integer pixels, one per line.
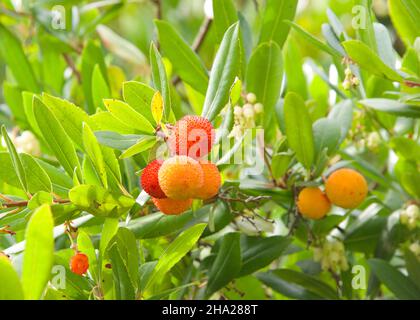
[
  {"x": 192, "y": 136},
  {"x": 150, "y": 180},
  {"x": 79, "y": 264}
]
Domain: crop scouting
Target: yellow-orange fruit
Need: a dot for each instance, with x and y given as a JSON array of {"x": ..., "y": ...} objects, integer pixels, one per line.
[
  {"x": 79, "y": 264},
  {"x": 180, "y": 177},
  {"x": 172, "y": 207},
  {"x": 211, "y": 182},
  {"x": 313, "y": 203},
  {"x": 346, "y": 188}
]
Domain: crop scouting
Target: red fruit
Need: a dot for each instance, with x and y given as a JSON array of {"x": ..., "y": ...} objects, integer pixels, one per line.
[
  {"x": 150, "y": 181},
  {"x": 79, "y": 264},
  {"x": 192, "y": 136}
]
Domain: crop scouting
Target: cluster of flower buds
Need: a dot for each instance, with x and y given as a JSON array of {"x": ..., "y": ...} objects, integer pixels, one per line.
[
  {"x": 351, "y": 81},
  {"x": 245, "y": 115},
  {"x": 410, "y": 216},
  {"x": 373, "y": 141},
  {"x": 332, "y": 256},
  {"x": 25, "y": 143}
]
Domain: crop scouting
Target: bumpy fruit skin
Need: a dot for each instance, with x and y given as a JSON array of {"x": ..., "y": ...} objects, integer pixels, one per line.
[
  {"x": 211, "y": 183},
  {"x": 79, "y": 264},
  {"x": 313, "y": 203},
  {"x": 180, "y": 177},
  {"x": 192, "y": 136},
  {"x": 346, "y": 188},
  {"x": 172, "y": 207},
  {"x": 150, "y": 180}
]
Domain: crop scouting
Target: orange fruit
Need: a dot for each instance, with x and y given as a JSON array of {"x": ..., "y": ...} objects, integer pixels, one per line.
[
  {"x": 346, "y": 188},
  {"x": 150, "y": 180},
  {"x": 79, "y": 264},
  {"x": 313, "y": 203},
  {"x": 180, "y": 177},
  {"x": 192, "y": 136},
  {"x": 211, "y": 183},
  {"x": 172, "y": 207}
]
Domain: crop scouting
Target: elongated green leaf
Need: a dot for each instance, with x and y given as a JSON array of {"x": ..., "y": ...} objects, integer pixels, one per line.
[
  {"x": 399, "y": 284},
  {"x": 109, "y": 230},
  {"x": 258, "y": 252},
  {"x": 225, "y": 15},
  {"x": 129, "y": 116},
  {"x": 100, "y": 89},
  {"x": 10, "y": 288},
  {"x": 368, "y": 60},
  {"x": 293, "y": 64},
  {"x": 184, "y": 60},
  {"x": 405, "y": 15},
  {"x": 160, "y": 79},
  {"x": 94, "y": 152},
  {"x": 12, "y": 53},
  {"x": 139, "y": 96},
  {"x": 299, "y": 128},
  {"x": 264, "y": 77},
  {"x": 173, "y": 254},
  {"x": 225, "y": 69},
  {"x": 392, "y": 106},
  {"x": 124, "y": 288},
  {"x": 143, "y": 144},
  {"x": 273, "y": 24},
  {"x": 85, "y": 245},
  {"x": 38, "y": 255},
  {"x": 227, "y": 264},
  {"x": 36, "y": 176},
  {"x": 16, "y": 161},
  {"x": 327, "y": 135},
  {"x": 316, "y": 42},
  {"x": 56, "y": 138}
]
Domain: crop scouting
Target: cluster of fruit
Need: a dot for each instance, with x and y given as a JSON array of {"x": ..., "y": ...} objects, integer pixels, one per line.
[
  {"x": 175, "y": 182},
  {"x": 331, "y": 256},
  {"x": 345, "y": 188}
]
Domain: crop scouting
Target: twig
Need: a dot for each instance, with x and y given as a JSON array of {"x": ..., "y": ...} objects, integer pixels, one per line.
[
  {"x": 411, "y": 84},
  {"x": 158, "y": 4},
  {"x": 72, "y": 66},
  {"x": 25, "y": 203}
]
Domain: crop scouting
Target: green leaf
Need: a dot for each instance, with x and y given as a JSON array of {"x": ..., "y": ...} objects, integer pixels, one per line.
[
  {"x": 299, "y": 129},
  {"x": 124, "y": 287},
  {"x": 327, "y": 134},
  {"x": 258, "y": 252},
  {"x": 405, "y": 16},
  {"x": 399, "y": 284},
  {"x": 412, "y": 264},
  {"x": 316, "y": 42},
  {"x": 106, "y": 121},
  {"x": 392, "y": 106},
  {"x": 56, "y": 138},
  {"x": 16, "y": 161},
  {"x": 117, "y": 141},
  {"x": 38, "y": 254},
  {"x": 173, "y": 254},
  {"x": 100, "y": 89},
  {"x": 224, "y": 12},
  {"x": 109, "y": 230},
  {"x": 297, "y": 285},
  {"x": 264, "y": 77},
  {"x": 160, "y": 79},
  {"x": 12, "y": 53},
  {"x": 367, "y": 59},
  {"x": 70, "y": 116},
  {"x": 10, "y": 288},
  {"x": 139, "y": 96},
  {"x": 39, "y": 199},
  {"x": 99, "y": 201},
  {"x": 406, "y": 148},
  {"x": 94, "y": 153},
  {"x": 273, "y": 23},
  {"x": 85, "y": 245},
  {"x": 146, "y": 143},
  {"x": 36, "y": 176},
  {"x": 223, "y": 73},
  {"x": 131, "y": 118},
  {"x": 184, "y": 60},
  {"x": 293, "y": 68},
  {"x": 227, "y": 264},
  {"x": 342, "y": 114},
  {"x": 91, "y": 56}
]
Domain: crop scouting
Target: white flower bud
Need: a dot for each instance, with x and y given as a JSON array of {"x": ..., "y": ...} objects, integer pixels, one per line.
[
  {"x": 355, "y": 81},
  {"x": 348, "y": 72},
  {"x": 404, "y": 217},
  {"x": 251, "y": 98},
  {"x": 208, "y": 9},
  {"x": 258, "y": 108},
  {"x": 373, "y": 140},
  {"x": 415, "y": 248},
  {"x": 237, "y": 111},
  {"x": 346, "y": 85},
  {"x": 248, "y": 110},
  {"x": 413, "y": 211}
]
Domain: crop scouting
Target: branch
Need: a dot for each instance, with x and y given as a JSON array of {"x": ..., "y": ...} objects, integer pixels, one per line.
[
  {"x": 13, "y": 204},
  {"x": 72, "y": 66}
]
